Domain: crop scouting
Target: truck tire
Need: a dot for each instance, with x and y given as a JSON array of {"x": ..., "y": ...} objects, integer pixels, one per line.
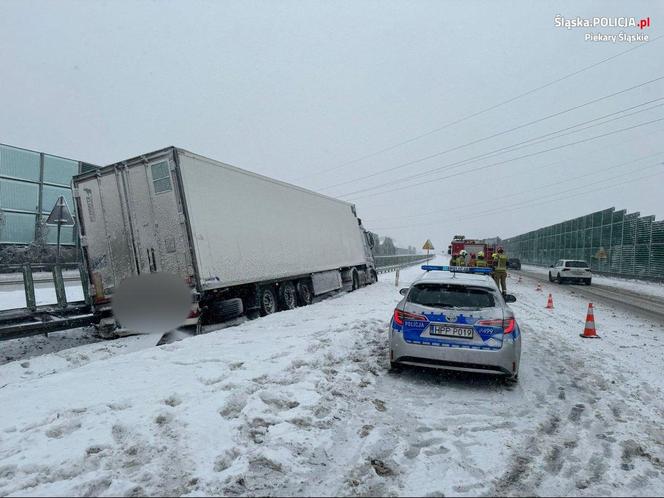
[
  {"x": 107, "y": 328},
  {"x": 304, "y": 293},
  {"x": 287, "y": 296},
  {"x": 226, "y": 309},
  {"x": 511, "y": 380},
  {"x": 373, "y": 277},
  {"x": 267, "y": 301}
]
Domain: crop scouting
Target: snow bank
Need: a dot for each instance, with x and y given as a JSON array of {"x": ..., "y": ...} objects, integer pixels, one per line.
[{"x": 301, "y": 403}]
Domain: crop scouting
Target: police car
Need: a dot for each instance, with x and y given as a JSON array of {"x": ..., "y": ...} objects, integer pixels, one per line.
[{"x": 455, "y": 318}]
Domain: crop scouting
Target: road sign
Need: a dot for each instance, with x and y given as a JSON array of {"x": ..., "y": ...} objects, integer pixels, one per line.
[
  {"x": 60, "y": 214},
  {"x": 428, "y": 246},
  {"x": 601, "y": 253}
]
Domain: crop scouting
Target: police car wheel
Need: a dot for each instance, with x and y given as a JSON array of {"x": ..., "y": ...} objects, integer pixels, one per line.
[
  {"x": 395, "y": 367},
  {"x": 512, "y": 379}
]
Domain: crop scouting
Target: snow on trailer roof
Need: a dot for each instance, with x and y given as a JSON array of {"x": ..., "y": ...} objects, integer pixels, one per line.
[{"x": 156, "y": 155}]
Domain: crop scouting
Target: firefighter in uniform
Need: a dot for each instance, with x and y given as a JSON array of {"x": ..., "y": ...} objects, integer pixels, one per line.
[
  {"x": 473, "y": 262},
  {"x": 500, "y": 270},
  {"x": 462, "y": 257},
  {"x": 481, "y": 262},
  {"x": 492, "y": 264}
]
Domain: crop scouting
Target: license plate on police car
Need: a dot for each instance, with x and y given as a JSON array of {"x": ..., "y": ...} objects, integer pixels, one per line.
[{"x": 451, "y": 331}]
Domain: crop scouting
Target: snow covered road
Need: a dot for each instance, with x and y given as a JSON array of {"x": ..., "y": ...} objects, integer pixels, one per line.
[
  {"x": 641, "y": 297},
  {"x": 301, "y": 402}
]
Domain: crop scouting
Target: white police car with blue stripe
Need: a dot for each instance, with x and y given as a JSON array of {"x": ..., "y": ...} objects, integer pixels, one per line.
[{"x": 455, "y": 318}]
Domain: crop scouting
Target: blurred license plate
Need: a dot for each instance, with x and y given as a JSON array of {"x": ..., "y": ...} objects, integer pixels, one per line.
[{"x": 451, "y": 331}]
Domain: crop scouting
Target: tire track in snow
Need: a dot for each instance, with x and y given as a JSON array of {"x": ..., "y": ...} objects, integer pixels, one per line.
[{"x": 575, "y": 448}]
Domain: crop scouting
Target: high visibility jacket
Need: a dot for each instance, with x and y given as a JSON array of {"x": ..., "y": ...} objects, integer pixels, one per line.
[
  {"x": 501, "y": 263},
  {"x": 459, "y": 261},
  {"x": 480, "y": 263}
]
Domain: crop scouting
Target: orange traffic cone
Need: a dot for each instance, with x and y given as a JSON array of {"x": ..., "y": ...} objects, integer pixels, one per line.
[
  {"x": 539, "y": 288},
  {"x": 589, "y": 330},
  {"x": 549, "y": 302}
]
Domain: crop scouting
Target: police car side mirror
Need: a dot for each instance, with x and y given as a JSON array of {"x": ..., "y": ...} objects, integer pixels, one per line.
[
  {"x": 550, "y": 266},
  {"x": 403, "y": 291},
  {"x": 510, "y": 298}
]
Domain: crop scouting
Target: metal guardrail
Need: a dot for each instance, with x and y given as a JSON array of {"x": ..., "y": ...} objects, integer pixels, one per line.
[
  {"x": 34, "y": 319},
  {"x": 25, "y": 274},
  {"x": 385, "y": 264}
]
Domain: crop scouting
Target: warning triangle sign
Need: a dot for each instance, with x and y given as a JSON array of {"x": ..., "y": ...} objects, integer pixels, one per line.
[
  {"x": 601, "y": 253},
  {"x": 60, "y": 213},
  {"x": 428, "y": 246}
]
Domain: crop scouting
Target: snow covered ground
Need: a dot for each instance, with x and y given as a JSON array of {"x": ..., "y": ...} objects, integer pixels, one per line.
[
  {"x": 301, "y": 402},
  {"x": 640, "y": 286}
]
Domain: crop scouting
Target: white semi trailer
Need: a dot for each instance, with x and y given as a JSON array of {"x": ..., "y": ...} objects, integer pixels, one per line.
[{"x": 242, "y": 241}]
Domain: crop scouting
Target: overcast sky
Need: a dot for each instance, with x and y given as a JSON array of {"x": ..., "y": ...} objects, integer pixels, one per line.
[{"x": 300, "y": 90}]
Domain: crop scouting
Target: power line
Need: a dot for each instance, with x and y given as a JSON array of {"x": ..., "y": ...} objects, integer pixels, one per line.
[
  {"x": 401, "y": 187},
  {"x": 524, "y": 204},
  {"x": 492, "y": 164},
  {"x": 577, "y": 189},
  {"x": 600, "y": 189},
  {"x": 587, "y": 153},
  {"x": 529, "y": 201},
  {"x": 474, "y": 142},
  {"x": 480, "y": 112},
  {"x": 528, "y": 191}
]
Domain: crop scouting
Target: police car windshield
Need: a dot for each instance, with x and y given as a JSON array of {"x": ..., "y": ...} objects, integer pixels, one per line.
[
  {"x": 576, "y": 264},
  {"x": 450, "y": 296}
]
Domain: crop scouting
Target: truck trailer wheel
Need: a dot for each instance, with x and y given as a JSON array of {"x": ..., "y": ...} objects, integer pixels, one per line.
[
  {"x": 373, "y": 277},
  {"x": 304, "y": 293},
  {"x": 267, "y": 301},
  {"x": 107, "y": 328},
  {"x": 287, "y": 296}
]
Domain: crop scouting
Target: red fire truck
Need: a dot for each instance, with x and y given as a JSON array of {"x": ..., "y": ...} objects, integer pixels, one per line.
[{"x": 472, "y": 246}]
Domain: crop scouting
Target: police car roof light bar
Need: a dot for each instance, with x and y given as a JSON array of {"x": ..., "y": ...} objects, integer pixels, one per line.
[{"x": 457, "y": 269}]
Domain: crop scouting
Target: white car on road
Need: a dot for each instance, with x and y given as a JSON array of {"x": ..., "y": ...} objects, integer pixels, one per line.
[{"x": 567, "y": 270}]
